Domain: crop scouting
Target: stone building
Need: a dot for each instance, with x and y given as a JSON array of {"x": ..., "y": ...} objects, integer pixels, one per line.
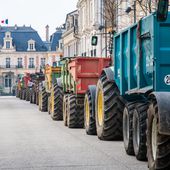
[
  {"x": 21, "y": 51},
  {"x": 91, "y": 23},
  {"x": 70, "y": 35}
]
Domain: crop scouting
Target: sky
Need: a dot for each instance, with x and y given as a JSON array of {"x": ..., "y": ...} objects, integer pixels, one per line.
[{"x": 37, "y": 13}]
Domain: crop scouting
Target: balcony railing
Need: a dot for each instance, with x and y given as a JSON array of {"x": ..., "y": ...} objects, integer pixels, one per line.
[{"x": 7, "y": 67}]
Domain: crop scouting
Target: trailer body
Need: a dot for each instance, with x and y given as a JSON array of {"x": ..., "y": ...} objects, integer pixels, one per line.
[
  {"x": 141, "y": 57},
  {"x": 80, "y": 72}
]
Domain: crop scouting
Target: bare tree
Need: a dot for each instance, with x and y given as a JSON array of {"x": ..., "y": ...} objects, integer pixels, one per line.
[
  {"x": 110, "y": 8},
  {"x": 147, "y": 6},
  {"x": 109, "y": 14}
]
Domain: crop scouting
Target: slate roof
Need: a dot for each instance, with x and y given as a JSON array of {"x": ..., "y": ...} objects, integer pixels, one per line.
[
  {"x": 21, "y": 36},
  {"x": 54, "y": 39}
]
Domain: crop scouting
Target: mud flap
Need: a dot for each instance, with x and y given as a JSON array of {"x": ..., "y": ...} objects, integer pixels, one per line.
[
  {"x": 109, "y": 73},
  {"x": 163, "y": 101}
]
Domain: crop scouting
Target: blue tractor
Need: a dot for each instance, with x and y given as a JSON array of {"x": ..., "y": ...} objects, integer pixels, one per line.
[{"x": 132, "y": 98}]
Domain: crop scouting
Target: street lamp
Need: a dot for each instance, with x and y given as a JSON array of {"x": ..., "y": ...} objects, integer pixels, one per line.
[{"x": 129, "y": 9}]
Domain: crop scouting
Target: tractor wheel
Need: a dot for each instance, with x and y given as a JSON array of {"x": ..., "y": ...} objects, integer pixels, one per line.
[
  {"x": 75, "y": 115},
  {"x": 49, "y": 108},
  {"x": 57, "y": 103},
  {"x": 40, "y": 100},
  {"x": 128, "y": 127},
  {"x": 27, "y": 94},
  {"x": 23, "y": 94},
  {"x": 109, "y": 110},
  {"x": 65, "y": 108},
  {"x": 36, "y": 98},
  {"x": 139, "y": 131},
  {"x": 43, "y": 101},
  {"x": 89, "y": 112},
  {"x": 158, "y": 145},
  {"x": 31, "y": 94}
]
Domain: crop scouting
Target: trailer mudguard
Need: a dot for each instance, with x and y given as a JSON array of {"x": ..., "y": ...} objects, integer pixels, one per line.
[
  {"x": 59, "y": 82},
  {"x": 163, "y": 102},
  {"x": 109, "y": 73}
]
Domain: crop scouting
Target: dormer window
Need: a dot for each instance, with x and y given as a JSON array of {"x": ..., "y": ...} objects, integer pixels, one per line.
[
  {"x": 31, "y": 45},
  {"x": 8, "y": 42}
]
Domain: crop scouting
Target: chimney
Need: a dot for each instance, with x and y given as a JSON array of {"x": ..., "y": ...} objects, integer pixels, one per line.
[{"x": 47, "y": 33}]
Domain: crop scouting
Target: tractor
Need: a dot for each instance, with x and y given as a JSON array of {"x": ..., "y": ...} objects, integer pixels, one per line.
[
  {"x": 35, "y": 82},
  {"x": 50, "y": 93}
]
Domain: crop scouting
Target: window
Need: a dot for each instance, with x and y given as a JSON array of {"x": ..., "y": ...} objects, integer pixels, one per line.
[
  {"x": 95, "y": 52},
  {"x": 7, "y": 81},
  {"x": 91, "y": 53},
  {"x": 76, "y": 22},
  {"x": 8, "y": 62},
  {"x": 42, "y": 62},
  {"x": 8, "y": 44},
  {"x": 31, "y": 46},
  {"x": 31, "y": 63},
  {"x": 19, "y": 63}
]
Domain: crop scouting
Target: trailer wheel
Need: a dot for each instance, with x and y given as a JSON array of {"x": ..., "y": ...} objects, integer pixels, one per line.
[
  {"x": 65, "y": 108},
  {"x": 158, "y": 145},
  {"x": 139, "y": 131},
  {"x": 43, "y": 101},
  {"x": 128, "y": 127},
  {"x": 109, "y": 110},
  {"x": 89, "y": 113},
  {"x": 57, "y": 103}
]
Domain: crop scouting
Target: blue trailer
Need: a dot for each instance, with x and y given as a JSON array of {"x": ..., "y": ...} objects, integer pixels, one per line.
[{"x": 132, "y": 98}]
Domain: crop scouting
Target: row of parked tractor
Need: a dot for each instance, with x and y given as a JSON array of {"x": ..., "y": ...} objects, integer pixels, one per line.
[{"x": 128, "y": 101}]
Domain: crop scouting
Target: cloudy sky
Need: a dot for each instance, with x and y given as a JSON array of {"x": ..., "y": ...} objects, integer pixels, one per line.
[{"x": 37, "y": 13}]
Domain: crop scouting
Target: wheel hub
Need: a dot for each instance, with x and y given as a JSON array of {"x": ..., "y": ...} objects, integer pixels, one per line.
[
  {"x": 154, "y": 137},
  {"x": 126, "y": 126},
  {"x": 100, "y": 107},
  {"x": 87, "y": 111}
]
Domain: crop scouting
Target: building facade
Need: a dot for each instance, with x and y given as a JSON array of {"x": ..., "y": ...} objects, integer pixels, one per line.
[
  {"x": 91, "y": 23},
  {"x": 21, "y": 51},
  {"x": 70, "y": 36}
]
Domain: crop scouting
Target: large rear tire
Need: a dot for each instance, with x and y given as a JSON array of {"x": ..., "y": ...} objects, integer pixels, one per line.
[
  {"x": 43, "y": 101},
  {"x": 158, "y": 145},
  {"x": 109, "y": 110},
  {"x": 139, "y": 131},
  {"x": 89, "y": 111},
  {"x": 128, "y": 127},
  {"x": 65, "y": 108},
  {"x": 75, "y": 115},
  {"x": 57, "y": 103}
]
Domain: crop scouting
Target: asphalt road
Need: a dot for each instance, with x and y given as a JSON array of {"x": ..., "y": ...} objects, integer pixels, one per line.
[{"x": 30, "y": 140}]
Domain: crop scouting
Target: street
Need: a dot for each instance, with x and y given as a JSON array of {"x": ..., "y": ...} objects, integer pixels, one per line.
[{"x": 30, "y": 140}]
